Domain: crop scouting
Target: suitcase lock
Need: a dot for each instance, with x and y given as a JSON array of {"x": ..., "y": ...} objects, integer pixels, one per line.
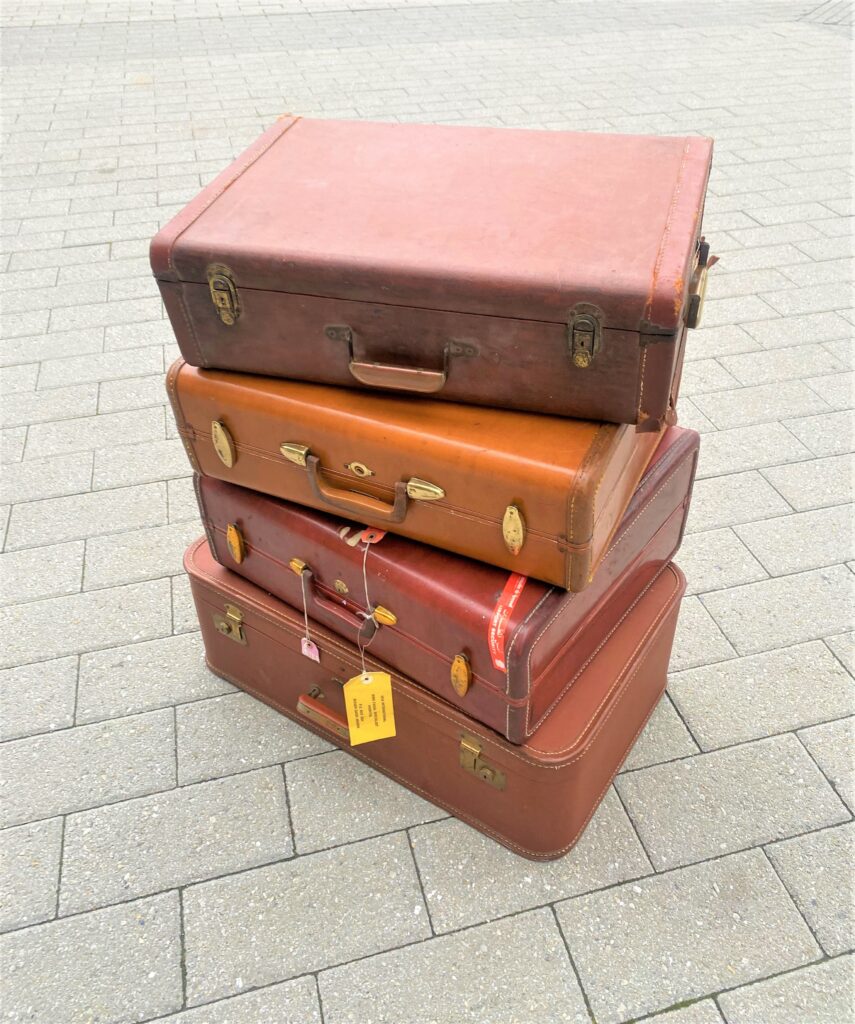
[
  {"x": 471, "y": 761},
  {"x": 224, "y": 294},
  {"x": 231, "y": 624},
  {"x": 584, "y": 334}
]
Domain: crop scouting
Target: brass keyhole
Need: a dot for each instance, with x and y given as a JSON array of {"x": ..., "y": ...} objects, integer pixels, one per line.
[{"x": 359, "y": 469}]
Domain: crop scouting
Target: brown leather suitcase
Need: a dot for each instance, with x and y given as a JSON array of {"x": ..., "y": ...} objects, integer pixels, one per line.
[
  {"x": 553, "y": 272},
  {"x": 538, "y": 495},
  {"x": 536, "y": 798},
  {"x": 502, "y": 648}
]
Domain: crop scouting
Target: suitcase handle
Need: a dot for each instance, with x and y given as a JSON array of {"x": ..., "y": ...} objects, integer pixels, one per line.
[
  {"x": 399, "y": 378},
  {"x": 366, "y": 627},
  {"x": 315, "y": 711},
  {"x": 361, "y": 506}
]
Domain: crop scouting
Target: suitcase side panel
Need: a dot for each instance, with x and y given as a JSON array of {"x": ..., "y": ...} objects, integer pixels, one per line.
[
  {"x": 398, "y": 441},
  {"x": 548, "y": 795},
  {"x": 469, "y": 358},
  {"x": 551, "y": 649}
]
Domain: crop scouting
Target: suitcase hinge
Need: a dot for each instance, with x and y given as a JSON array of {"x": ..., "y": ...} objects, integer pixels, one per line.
[
  {"x": 224, "y": 294},
  {"x": 231, "y": 624},
  {"x": 471, "y": 761},
  {"x": 584, "y": 334}
]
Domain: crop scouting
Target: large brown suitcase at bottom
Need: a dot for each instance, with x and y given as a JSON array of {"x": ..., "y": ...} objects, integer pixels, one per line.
[
  {"x": 536, "y": 798},
  {"x": 537, "y": 495},
  {"x": 502, "y": 648}
]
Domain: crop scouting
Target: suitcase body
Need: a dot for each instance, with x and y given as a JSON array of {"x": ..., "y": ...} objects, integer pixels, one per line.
[
  {"x": 538, "y": 495},
  {"x": 500, "y": 647},
  {"x": 552, "y": 272},
  {"x": 535, "y": 798}
]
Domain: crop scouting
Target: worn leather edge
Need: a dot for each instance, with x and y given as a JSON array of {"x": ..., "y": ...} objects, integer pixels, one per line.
[{"x": 163, "y": 244}]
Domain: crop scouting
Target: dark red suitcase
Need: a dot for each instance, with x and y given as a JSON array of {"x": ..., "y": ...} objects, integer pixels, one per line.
[
  {"x": 536, "y": 798},
  {"x": 552, "y": 272},
  {"x": 503, "y": 648}
]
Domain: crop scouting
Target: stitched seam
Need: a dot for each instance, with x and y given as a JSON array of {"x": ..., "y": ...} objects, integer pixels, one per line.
[
  {"x": 638, "y": 412},
  {"x": 596, "y": 444},
  {"x": 671, "y": 456},
  {"x": 666, "y": 233},
  {"x": 590, "y": 658},
  {"x": 216, "y": 195},
  {"x": 189, "y": 322},
  {"x": 180, "y": 420},
  {"x": 666, "y": 608},
  {"x": 348, "y": 657}
]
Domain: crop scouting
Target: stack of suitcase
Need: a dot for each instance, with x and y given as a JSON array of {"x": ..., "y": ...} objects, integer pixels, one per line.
[{"x": 428, "y": 390}]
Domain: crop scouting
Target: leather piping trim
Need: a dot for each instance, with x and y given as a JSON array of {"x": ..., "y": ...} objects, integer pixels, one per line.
[
  {"x": 227, "y": 184},
  {"x": 666, "y": 232},
  {"x": 672, "y": 456},
  {"x": 347, "y": 656},
  {"x": 180, "y": 419}
]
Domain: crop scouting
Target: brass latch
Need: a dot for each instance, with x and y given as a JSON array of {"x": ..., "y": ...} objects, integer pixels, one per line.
[
  {"x": 223, "y": 293},
  {"x": 513, "y": 529},
  {"x": 231, "y": 624},
  {"x": 424, "y": 490},
  {"x": 584, "y": 334},
  {"x": 471, "y": 761}
]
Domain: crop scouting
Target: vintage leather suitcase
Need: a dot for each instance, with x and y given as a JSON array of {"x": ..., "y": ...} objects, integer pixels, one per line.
[
  {"x": 538, "y": 495},
  {"x": 501, "y": 647},
  {"x": 536, "y": 798},
  {"x": 548, "y": 271}
]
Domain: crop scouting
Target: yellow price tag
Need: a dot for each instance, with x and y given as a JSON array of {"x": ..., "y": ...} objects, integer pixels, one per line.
[{"x": 370, "y": 715}]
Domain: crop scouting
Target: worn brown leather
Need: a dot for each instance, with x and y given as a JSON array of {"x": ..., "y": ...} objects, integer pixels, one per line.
[
  {"x": 552, "y": 784},
  {"x": 447, "y": 607},
  {"x": 445, "y": 260},
  {"x": 570, "y": 480}
]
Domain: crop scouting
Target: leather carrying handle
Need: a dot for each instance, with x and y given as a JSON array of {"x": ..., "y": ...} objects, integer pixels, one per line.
[
  {"x": 399, "y": 378},
  {"x": 316, "y": 712},
  {"x": 361, "y": 506},
  {"x": 365, "y": 627}
]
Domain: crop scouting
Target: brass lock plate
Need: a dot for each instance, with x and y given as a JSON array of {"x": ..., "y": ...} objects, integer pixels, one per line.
[
  {"x": 461, "y": 675},
  {"x": 296, "y": 453},
  {"x": 424, "y": 490},
  {"x": 224, "y": 294},
  {"x": 224, "y": 446},
  {"x": 235, "y": 542},
  {"x": 472, "y": 761},
  {"x": 584, "y": 334},
  {"x": 359, "y": 469},
  {"x": 513, "y": 529},
  {"x": 230, "y": 624}
]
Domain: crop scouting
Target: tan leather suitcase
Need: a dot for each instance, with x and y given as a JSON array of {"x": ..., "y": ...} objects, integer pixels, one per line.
[
  {"x": 536, "y": 798},
  {"x": 549, "y": 271},
  {"x": 501, "y": 647},
  {"x": 538, "y": 495}
]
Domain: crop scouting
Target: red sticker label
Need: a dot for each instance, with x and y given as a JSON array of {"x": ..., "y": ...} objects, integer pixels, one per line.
[{"x": 500, "y": 618}]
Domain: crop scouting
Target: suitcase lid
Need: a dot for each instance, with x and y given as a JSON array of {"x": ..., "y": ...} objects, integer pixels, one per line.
[{"x": 534, "y": 225}]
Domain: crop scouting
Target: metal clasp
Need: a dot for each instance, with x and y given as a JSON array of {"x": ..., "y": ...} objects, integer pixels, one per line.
[
  {"x": 584, "y": 334},
  {"x": 471, "y": 761},
  {"x": 231, "y": 624},
  {"x": 223, "y": 293}
]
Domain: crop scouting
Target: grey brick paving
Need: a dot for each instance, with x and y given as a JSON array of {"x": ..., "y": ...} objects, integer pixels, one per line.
[{"x": 127, "y": 760}]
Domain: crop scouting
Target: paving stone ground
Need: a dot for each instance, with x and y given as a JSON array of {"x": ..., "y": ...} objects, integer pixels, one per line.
[{"x": 173, "y": 850}]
